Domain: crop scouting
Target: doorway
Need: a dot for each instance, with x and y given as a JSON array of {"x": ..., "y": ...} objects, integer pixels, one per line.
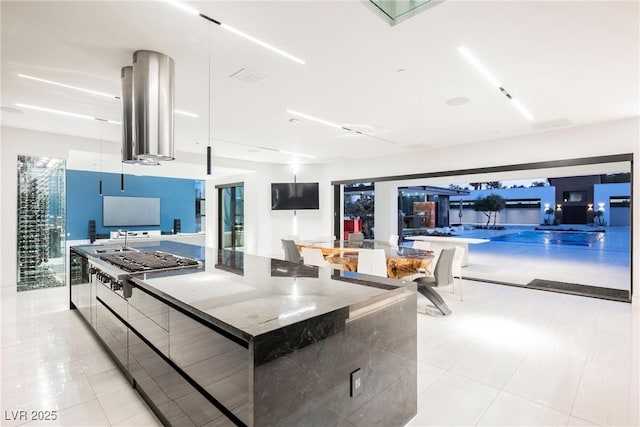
[
  {"x": 231, "y": 214},
  {"x": 574, "y": 214},
  {"x": 539, "y": 240}
]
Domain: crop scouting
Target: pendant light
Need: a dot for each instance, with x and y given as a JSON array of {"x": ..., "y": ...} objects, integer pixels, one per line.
[
  {"x": 209, "y": 162},
  {"x": 122, "y": 177},
  {"x": 100, "y": 134}
]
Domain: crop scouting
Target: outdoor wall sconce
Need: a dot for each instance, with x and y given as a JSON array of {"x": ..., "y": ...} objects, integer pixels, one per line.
[
  {"x": 590, "y": 207},
  {"x": 601, "y": 206},
  {"x": 559, "y": 207},
  {"x": 546, "y": 205}
]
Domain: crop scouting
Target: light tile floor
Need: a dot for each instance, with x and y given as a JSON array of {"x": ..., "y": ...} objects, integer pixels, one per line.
[
  {"x": 51, "y": 362},
  {"x": 511, "y": 356},
  {"x": 506, "y": 356}
]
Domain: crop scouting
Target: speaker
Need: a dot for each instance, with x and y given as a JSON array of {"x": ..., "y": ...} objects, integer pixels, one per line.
[
  {"x": 176, "y": 226},
  {"x": 92, "y": 230}
]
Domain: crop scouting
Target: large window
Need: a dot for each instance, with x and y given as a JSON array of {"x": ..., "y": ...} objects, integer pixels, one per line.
[{"x": 560, "y": 225}]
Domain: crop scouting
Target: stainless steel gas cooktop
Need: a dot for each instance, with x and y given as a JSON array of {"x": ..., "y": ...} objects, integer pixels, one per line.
[{"x": 135, "y": 262}]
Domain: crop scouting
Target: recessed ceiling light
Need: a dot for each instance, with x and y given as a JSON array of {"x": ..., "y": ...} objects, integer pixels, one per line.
[
  {"x": 293, "y": 120},
  {"x": 455, "y": 102},
  {"x": 184, "y": 7},
  {"x": 314, "y": 119},
  {"x": 234, "y": 30},
  {"x": 493, "y": 81},
  {"x": 297, "y": 154},
  {"x": 521, "y": 108},
  {"x": 401, "y": 70},
  {"x": 261, "y": 43},
  {"x": 186, "y": 113},
  {"x": 337, "y": 126},
  {"x": 479, "y": 66}
]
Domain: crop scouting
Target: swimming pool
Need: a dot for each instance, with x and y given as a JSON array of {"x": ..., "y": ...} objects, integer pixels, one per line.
[{"x": 539, "y": 237}]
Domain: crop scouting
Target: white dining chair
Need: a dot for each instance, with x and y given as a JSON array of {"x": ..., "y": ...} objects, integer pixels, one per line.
[
  {"x": 313, "y": 256},
  {"x": 442, "y": 276},
  {"x": 372, "y": 261},
  {"x": 456, "y": 268},
  {"x": 291, "y": 251}
]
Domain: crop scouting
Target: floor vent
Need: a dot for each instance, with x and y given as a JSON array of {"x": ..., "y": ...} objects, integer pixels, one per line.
[{"x": 583, "y": 290}]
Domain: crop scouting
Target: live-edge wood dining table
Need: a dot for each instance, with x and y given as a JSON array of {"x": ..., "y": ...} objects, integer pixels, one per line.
[{"x": 401, "y": 261}]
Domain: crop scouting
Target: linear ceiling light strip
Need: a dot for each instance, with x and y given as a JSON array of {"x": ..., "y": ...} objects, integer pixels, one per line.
[
  {"x": 65, "y": 113},
  {"x": 335, "y": 125},
  {"x": 235, "y": 31},
  {"x": 51, "y": 82},
  {"x": 91, "y": 91},
  {"x": 479, "y": 66}
]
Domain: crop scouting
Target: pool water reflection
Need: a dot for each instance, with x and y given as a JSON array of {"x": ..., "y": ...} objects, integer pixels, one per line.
[{"x": 552, "y": 237}]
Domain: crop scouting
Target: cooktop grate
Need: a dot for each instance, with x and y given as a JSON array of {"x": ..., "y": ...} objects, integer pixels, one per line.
[{"x": 134, "y": 262}]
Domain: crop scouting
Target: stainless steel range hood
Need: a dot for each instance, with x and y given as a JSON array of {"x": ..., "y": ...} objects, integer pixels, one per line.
[
  {"x": 152, "y": 114},
  {"x": 126, "y": 98}
]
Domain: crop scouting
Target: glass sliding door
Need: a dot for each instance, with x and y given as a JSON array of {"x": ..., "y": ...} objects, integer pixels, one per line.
[
  {"x": 231, "y": 215},
  {"x": 358, "y": 217},
  {"x": 41, "y": 223}
]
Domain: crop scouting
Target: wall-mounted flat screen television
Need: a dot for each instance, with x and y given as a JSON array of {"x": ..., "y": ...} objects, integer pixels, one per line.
[
  {"x": 295, "y": 195},
  {"x": 127, "y": 211}
]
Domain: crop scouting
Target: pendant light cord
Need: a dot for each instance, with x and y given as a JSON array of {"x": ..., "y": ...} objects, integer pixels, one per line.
[
  {"x": 209, "y": 115},
  {"x": 100, "y": 133}
]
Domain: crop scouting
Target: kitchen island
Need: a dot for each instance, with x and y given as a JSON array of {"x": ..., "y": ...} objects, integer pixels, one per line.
[{"x": 247, "y": 340}]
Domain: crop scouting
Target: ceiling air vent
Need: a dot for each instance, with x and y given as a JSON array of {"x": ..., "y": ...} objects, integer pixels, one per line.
[{"x": 247, "y": 76}]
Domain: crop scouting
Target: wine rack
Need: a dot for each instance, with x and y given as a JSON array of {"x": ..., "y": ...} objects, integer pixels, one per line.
[{"x": 41, "y": 217}]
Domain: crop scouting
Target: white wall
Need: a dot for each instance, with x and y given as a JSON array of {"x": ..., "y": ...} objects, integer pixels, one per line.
[
  {"x": 546, "y": 195},
  {"x": 264, "y": 227},
  {"x": 80, "y": 154},
  {"x": 602, "y": 194},
  {"x": 20, "y": 142},
  {"x": 614, "y": 137}
]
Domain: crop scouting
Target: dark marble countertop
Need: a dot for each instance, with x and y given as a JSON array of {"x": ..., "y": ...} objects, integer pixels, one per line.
[{"x": 249, "y": 295}]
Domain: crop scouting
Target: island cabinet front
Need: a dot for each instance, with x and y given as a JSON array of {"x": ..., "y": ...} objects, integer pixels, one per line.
[
  {"x": 195, "y": 370},
  {"x": 348, "y": 367},
  {"x": 269, "y": 344},
  {"x": 190, "y": 374}
]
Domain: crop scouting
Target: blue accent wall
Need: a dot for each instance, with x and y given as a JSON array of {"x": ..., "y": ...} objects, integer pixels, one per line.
[{"x": 177, "y": 200}]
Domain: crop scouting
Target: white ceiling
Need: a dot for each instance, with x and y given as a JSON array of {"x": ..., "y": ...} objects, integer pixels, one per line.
[{"x": 567, "y": 62}]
